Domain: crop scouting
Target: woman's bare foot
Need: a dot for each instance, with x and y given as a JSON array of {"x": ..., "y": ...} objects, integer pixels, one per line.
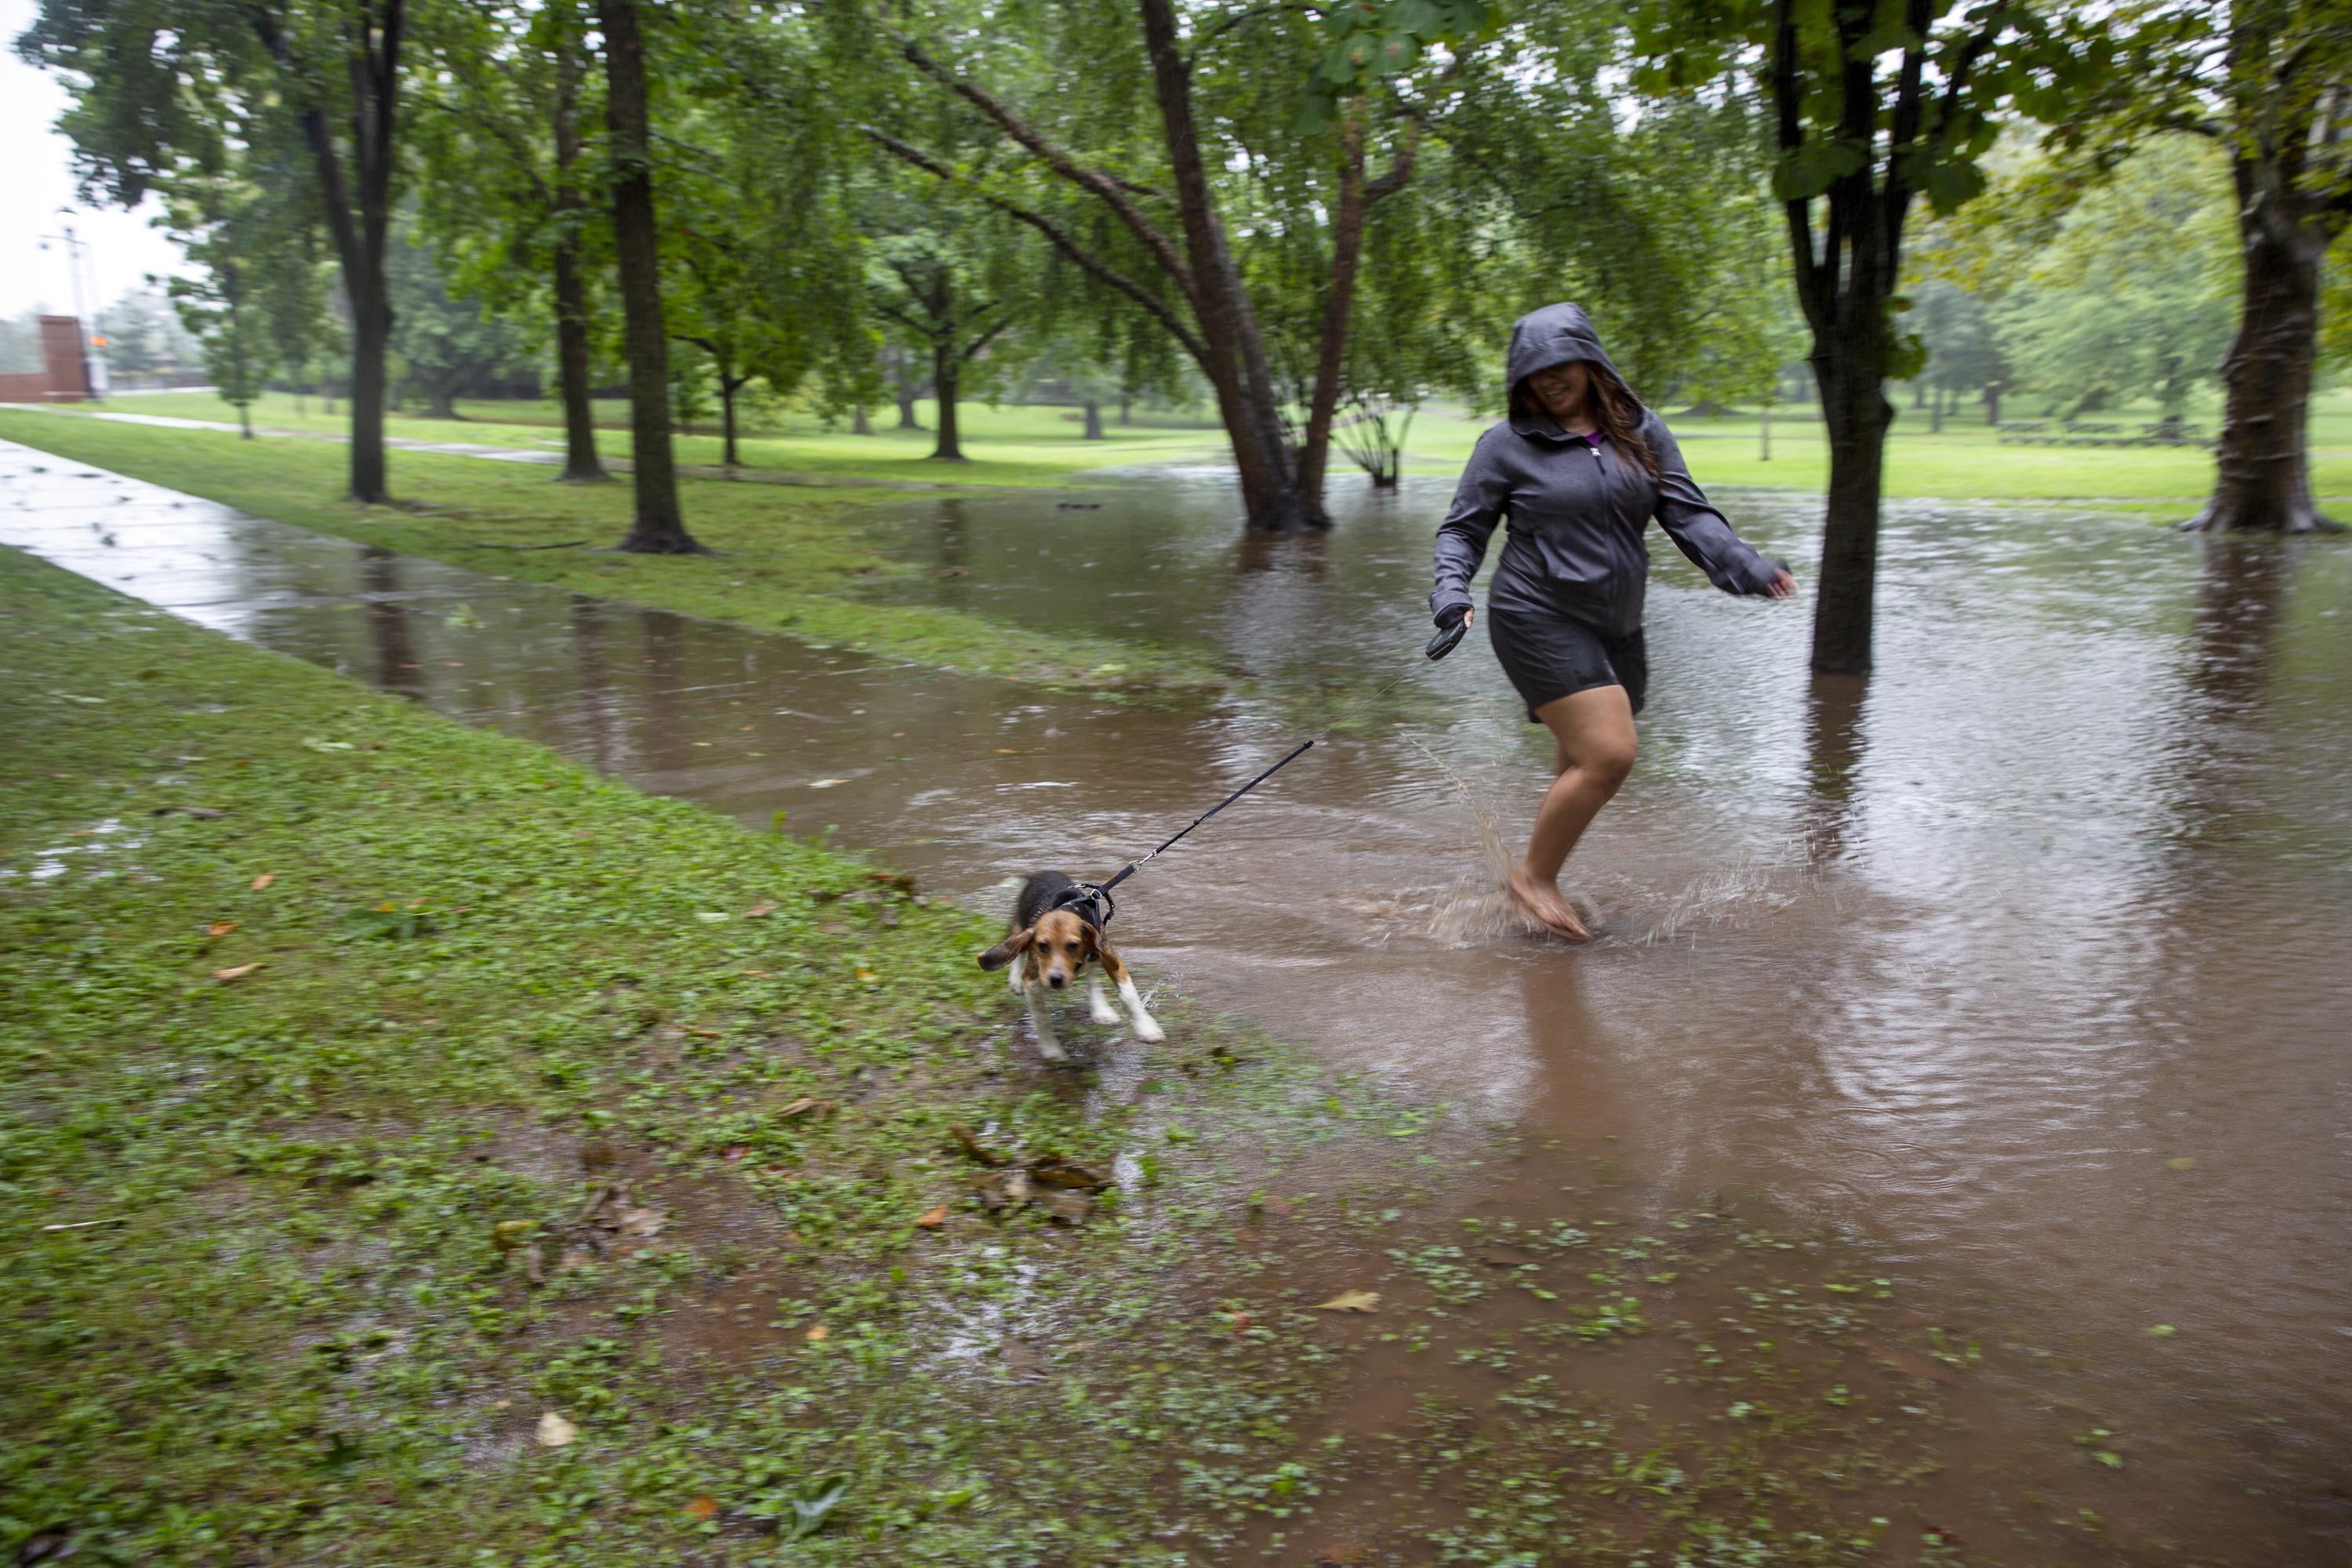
[{"x": 1542, "y": 900}]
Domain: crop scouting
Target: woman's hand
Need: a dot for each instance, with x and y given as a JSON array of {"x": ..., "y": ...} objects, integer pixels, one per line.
[
  {"x": 1782, "y": 586},
  {"x": 1452, "y": 625}
]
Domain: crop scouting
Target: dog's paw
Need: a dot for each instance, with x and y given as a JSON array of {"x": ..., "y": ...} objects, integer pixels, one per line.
[
  {"x": 1103, "y": 1012},
  {"x": 1148, "y": 1030},
  {"x": 1052, "y": 1051}
]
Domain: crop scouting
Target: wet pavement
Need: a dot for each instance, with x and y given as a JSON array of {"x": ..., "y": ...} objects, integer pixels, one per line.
[{"x": 2024, "y": 964}]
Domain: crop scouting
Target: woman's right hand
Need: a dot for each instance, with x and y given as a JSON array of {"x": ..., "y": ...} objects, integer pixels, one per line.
[{"x": 1452, "y": 625}]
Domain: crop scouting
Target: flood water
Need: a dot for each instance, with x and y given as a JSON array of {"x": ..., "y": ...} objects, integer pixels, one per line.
[{"x": 2026, "y": 962}]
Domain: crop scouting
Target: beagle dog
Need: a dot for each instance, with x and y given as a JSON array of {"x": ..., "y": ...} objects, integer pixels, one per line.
[{"x": 1053, "y": 935}]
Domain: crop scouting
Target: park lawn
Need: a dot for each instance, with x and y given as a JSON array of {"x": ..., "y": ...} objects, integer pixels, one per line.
[
  {"x": 791, "y": 558},
  {"x": 1965, "y": 461},
  {"x": 1006, "y": 445},
  {"x": 459, "y": 1158}
]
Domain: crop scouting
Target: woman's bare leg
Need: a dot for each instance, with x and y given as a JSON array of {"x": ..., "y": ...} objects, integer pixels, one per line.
[{"x": 1594, "y": 729}]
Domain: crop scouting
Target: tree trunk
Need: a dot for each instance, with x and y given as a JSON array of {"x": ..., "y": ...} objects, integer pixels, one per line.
[
  {"x": 1856, "y": 414},
  {"x": 1992, "y": 403},
  {"x": 1935, "y": 411},
  {"x": 658, "y": 528},
  {"x": 1236, "y": 365},
  {"x": 902, "y": 386},
  {"x": 1093, "y": 421},
  {"x": 244, "y": 420},
  {"x": 581, "y": 466},
  {"x": 371, "y": 336},
  {"x": 2262, "y": 482},
  {"x": 859, "y": 425},
  {"x": 1764, "y": 436},
  {"x": 947, "y": 367},
  {"x": 728, "y": 387}
]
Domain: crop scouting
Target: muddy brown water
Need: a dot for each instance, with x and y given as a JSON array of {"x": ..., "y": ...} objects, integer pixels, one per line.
[{"x": 2026, "y": 963}]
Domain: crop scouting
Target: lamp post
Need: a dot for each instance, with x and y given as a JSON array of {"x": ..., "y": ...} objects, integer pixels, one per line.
[{"x": 85, "y": 330}]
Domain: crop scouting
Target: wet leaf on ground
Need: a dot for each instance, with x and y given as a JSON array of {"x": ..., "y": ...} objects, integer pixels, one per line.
[
  {"x": 263, "y": 881},
  {"x": 805, "y": 1106},
  {"x": 220, "y": 928},
  {"x": 973, "y": 1149},
  {"x": 1055, "y": 1171},
  {"x": 236, "y": 971},
  {"x": 702, "y": 1507},
  {"x": 554, "y": 1431},
  {"x": 1351, "y": 1301},
  {"x": 815, "y": 1504},
  {"x": 931, "y": 1219}
]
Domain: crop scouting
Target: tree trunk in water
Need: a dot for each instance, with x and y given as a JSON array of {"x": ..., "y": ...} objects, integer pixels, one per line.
[
  {"x": 1236, "y": 365},
  {"x": 1093, "y": 422},
  {"x": 658, "y": 528},
  {"x": 581, "y": 466},
  {"x": 946, "y": 368},
  {"x": 1856, "y": 412},
  {"x": 2264, "y": 479}
]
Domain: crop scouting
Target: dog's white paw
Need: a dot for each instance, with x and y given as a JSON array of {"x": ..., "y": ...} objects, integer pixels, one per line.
[
  {"x": 1147, "y": 1029},
  {"x": 1102, "y": 1011}
]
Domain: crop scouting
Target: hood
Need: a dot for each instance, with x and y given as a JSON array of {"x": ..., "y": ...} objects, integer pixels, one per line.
[{"x": 1555, "y": 334}]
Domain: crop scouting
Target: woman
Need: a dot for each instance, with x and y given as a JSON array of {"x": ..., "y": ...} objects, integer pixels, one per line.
[{"x": 1579, "y": 468}]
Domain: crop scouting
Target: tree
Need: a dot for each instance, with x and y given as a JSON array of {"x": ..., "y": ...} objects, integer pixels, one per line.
[
  {"x": 159, "y": 88},
  {"x": 2270, "y": 86},
  {"x": 1215, "y": 100},
  {"x": 1873, "y": 104},
  {"x": 216, "y": 305},
  {"x": 2131, "y": 295},
  {"x": 446, "y": 345},
  {"x": 658, "y": 528},
  {"x": 949, "y": 300},
  {"x": 500, "y": 126}
]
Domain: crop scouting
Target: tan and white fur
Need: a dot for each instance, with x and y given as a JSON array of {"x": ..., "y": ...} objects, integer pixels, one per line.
[{"x": 1048, "y": 948}]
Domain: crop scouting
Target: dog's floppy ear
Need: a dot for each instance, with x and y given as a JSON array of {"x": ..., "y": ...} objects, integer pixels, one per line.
[
  {"x": 1091, "y": 938},
  {"x": 1011, "y": 948}
]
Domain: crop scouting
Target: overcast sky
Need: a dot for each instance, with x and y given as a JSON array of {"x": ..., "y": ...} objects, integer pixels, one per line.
[{"x": 37, "y": 179}]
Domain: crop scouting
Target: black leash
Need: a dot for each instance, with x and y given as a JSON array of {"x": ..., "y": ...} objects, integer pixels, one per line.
[{"x": 1097, "y": 897}]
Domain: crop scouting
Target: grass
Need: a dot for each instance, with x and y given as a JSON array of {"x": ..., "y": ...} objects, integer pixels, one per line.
[
  {"x": 1003, "y": 445},
  {"x": 791, "y": 559},
  {"x": 466, "y": 1160},
  {"x": 1965, "y": 461}
]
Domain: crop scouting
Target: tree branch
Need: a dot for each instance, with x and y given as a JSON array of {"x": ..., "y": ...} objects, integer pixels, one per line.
[
  {"x": 1790, "y": 132},
  {"x": 1112, "y": 192},
  {"x": 1060, "y": 240}
]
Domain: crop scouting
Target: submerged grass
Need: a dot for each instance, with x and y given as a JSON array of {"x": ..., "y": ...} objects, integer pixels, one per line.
[
  {"x": 413, "y": 1149},
  {"x": 789, "y": 558}
]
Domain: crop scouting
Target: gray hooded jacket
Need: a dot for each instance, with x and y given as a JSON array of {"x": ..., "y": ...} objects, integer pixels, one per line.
[{"x": 1578, "y": 511}]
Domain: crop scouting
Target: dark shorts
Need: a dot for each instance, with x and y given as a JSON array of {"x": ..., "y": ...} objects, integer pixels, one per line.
[{"x": 1549, "y": 657}]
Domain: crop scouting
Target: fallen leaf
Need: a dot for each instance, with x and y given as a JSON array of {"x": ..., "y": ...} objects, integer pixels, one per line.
[
  {"x": 826, "y": 784},
  {"x": 734, "y": 1152},
  {"x": 263, "y": 880},
  {"x": 973, "y": 1149},
  {"x": 220, "y": 928},
  {"x": 1351, "y": 1301},
  {"x": 806, "y": 1106},
  {"x": 573, "y": 1259},
  {"x": 2180, "y": 1163},
  {"x": 1055, "y": 1170},
  {"x": 237, "y": 973},
  {"x": 555, "y": 1432},
  {"x": 1006, "y": 752},
  {"x": 705, "y": 1506},
  {"x": 866, "y": 976},
  {"x": 1503, "y": 1256},
  {"x": 1066, "y": 1208},
  {"x": 818, "y": 1333},
  {"x": 756, "y": 911},
  {"x": 1341, "y": 1555},
  {"x": 2160, "y": 1331},
  {"x": 502, "y": 1404},
  {"x": 931, "y": 1219}
]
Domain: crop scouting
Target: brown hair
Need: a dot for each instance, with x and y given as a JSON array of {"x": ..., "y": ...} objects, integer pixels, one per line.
[{"x": 1614, "y": 409}]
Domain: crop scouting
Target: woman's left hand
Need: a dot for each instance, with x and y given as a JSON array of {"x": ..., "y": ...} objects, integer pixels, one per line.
[{"x": 1782, "y": 586}]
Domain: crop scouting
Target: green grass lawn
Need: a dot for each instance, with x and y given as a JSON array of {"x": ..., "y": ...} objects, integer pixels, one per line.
[
  {"x": 1005, "y": 445},
  {"x": 1965, "y": 461},
  {"x": 789, "y": 555},
  {"x": 415, "y": 1150}
]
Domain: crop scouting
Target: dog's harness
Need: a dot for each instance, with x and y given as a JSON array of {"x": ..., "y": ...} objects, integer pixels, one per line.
[{"x": 1090, "y": 903}]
